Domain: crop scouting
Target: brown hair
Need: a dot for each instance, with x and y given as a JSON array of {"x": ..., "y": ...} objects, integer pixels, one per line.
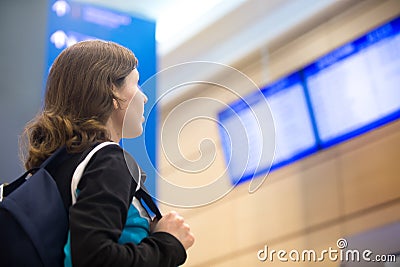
[{"x": 79, "y": 99}]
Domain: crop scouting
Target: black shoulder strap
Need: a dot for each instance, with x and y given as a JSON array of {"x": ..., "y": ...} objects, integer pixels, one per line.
[{"x": 148, "y": 200}]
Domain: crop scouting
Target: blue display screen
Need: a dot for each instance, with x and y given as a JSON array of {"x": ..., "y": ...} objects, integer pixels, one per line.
[
  {"x": 356, "y": 87},
  {"x": 294, "y": 130},
  {"x": 347, "y": 92},
  {"x": 71, "y": 22},
  {"x": 267, "y": 129},
  {"x": 247, "y": 136}
]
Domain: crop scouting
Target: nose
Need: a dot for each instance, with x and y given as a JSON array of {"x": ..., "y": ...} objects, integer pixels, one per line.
[{"x": 145, "y": 99}]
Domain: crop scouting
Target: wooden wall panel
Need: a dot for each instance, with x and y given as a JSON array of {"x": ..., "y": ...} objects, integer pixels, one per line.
[{"x": 338, "y": 192}]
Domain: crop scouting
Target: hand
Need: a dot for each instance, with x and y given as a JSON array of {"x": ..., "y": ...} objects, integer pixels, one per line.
[{"x": 175, "y": 225}]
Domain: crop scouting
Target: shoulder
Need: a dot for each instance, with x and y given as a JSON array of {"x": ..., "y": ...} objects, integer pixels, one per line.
[
  {"x": 112, "y": 149},
  {"x": 113, "y": 159}
]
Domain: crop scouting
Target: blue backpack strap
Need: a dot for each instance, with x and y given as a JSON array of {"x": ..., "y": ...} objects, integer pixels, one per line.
[
  {"x": 34, "y": 209},
  {"x": 8, "y": 188},
  {"x": 61, "y": 155}
]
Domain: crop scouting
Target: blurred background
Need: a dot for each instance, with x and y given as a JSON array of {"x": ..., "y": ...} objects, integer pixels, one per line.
[{"x": 270, "y": 123}]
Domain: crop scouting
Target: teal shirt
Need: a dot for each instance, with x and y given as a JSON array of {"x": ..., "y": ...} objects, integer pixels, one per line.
[{"x": 136, "y": 228}]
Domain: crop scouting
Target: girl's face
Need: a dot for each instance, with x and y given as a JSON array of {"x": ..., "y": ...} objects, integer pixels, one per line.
[{"x": 130, "y": 116}]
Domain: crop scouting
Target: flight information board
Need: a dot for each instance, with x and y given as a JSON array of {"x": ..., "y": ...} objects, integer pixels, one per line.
[
  {"x": 349, "y": 91},
  {"x": 295, "y": 135},
  {"x": 267, "y": 129},
  {"x": 356, "y": 87}
]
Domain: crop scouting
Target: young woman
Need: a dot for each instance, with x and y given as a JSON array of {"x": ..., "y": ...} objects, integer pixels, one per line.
[{"x": 91, "y": 91}]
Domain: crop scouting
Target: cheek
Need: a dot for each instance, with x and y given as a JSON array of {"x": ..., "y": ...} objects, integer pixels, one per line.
[
  {"x": 133, "y": 118},
  {"x": 128, "y": 99},
  {"x": 136, "y": 106}
]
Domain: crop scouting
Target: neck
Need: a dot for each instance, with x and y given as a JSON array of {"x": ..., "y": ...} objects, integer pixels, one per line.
[{"x": 115, "y": 135}]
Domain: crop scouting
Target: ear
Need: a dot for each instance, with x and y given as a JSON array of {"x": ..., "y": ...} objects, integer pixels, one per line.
[
  {"x": 116, "y": 104},
  {"x": 115, "y": 97}
]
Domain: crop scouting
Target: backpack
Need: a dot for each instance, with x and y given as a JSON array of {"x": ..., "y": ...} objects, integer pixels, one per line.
[{"x": 33, "y": 219}]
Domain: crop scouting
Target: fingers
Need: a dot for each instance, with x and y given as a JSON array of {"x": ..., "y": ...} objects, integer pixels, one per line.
[{"x": 189, "y": 240}]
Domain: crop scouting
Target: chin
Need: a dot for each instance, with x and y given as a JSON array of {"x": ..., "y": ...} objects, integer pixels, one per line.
[{"x": 133, "y": 134}]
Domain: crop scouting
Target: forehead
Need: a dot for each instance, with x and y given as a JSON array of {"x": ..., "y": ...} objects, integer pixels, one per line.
[{"x": 133, "y": 76}]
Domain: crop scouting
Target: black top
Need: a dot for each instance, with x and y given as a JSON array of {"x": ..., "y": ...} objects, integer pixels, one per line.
[{"x": 106, "y": 190}]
